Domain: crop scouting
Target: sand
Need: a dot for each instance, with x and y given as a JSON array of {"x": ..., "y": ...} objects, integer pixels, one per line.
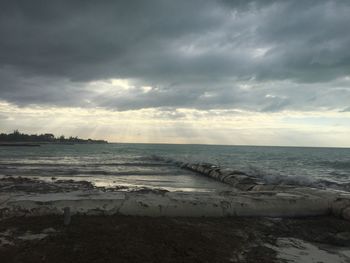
[
  {"x": 155, "y": 225},
  {"x": 145, "y": 239}
]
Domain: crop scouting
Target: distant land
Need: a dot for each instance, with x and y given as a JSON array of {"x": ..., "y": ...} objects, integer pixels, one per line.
[{"x": 17, "y": 138}]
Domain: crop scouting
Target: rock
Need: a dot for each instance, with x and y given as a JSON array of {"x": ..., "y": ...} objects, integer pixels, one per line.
[
  {"x": 201, "y": 169},
  {"x": 184, "y": 165},
  {"x": 207, "y": 171},
  {"x": 192, "y": 167},
  {"x": 215, "y": 173}
]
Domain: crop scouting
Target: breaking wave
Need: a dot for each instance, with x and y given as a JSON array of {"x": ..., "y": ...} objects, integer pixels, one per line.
[{"x": 276, "y": 178}]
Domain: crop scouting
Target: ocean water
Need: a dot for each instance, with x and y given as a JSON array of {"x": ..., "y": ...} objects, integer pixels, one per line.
[{"x": 138, "y": 165}]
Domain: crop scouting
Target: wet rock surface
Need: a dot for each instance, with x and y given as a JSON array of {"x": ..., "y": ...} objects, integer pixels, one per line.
[
  {"x": 145, "y": 239},
  {"x": 33, "y": 185},
  {"x": 237, "y": 179},
  {"x": 14, "y": 184}
]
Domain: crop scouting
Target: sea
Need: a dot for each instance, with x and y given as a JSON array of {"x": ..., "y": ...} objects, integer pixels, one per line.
[{"x": 153, "y": 165}]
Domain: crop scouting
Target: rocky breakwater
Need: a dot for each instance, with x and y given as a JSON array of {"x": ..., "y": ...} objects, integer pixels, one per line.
[{"x": 238, "y": 179}]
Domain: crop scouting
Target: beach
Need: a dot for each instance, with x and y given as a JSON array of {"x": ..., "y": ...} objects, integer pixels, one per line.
[
  {"x": 216, "y": 214},
  {"x": 129, "y": 225},
  {"x": 145, "y": 239}
]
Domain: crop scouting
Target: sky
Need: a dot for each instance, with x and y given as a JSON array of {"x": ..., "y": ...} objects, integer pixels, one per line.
[{"x": 235, "y": 72}]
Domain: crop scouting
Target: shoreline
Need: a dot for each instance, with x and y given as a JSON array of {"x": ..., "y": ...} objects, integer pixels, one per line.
[
  {"x": 251, "y": 222},
  {"x": 37, "y": 144},
  {"x": 23, "y": 196},
  {"x": 155, "y": 225}
]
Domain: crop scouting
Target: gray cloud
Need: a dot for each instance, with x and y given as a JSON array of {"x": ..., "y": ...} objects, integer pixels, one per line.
[{"x": 195, "y": 54}]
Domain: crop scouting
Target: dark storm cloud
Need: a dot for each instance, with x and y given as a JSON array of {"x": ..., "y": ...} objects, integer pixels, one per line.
[{"x": 194, "y": 53}]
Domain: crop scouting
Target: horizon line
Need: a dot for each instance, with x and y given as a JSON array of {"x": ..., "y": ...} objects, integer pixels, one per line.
[{"x": 238, "y": 145}]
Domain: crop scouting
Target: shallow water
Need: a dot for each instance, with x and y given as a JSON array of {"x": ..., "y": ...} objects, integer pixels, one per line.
[{"x": 134, "y": 164}]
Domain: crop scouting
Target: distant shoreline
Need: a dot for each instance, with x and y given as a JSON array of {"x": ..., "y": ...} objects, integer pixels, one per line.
[
  {"x": 38, "y": 144},
  {"x": 21, "y": 139}
]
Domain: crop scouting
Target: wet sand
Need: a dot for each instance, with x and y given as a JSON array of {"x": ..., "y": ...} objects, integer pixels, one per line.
[
  {"x": 120, "y": 238},
  {"x": 145, "y": 239}
]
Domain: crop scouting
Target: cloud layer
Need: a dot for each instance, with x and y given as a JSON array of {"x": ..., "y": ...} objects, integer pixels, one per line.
[{"x": 201, "y": 54}]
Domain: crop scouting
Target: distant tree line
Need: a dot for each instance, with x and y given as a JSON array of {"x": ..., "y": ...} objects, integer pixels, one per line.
[{"x": 17, "y": 136}]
